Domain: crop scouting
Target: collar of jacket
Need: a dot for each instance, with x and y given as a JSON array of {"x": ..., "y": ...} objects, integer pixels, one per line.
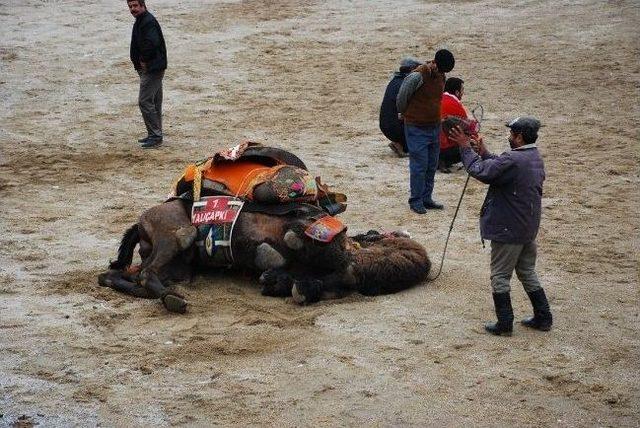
[
  {"x": 527, "y": 146},
  {"x": 142, "y": 15},
  {"x": 451, "y": 95}
]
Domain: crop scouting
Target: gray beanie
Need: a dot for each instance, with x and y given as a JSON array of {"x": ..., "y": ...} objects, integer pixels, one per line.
[{"x": 408, "y": 64}]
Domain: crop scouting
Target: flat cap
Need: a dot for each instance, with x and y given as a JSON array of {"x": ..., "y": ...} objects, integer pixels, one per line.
[{"x": 524, "y": 124}]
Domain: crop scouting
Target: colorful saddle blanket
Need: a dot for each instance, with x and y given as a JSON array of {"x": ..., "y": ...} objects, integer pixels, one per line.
[
  {"x": 253, "y": 178},
  {"x": 248, "y": 171}
]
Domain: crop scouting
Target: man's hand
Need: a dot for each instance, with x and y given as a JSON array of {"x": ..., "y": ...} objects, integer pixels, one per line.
[
  {"x": 478, "y": 145},
  {"x": 459, "y": 138},
  {"x": 463, "y": 140}
]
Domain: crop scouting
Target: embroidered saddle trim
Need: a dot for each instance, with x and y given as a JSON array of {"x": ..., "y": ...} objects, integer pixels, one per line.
[{"x": 325, "y": 229}]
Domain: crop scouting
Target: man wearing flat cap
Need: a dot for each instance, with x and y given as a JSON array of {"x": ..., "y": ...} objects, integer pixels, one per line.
[{"x": 510, "y": 217}]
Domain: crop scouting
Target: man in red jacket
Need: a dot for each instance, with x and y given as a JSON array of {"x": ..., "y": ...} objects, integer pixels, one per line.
[{"x": 451, "y": 105}]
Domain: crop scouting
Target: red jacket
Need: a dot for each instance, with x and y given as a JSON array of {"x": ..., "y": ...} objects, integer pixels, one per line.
[{"x": 450, "y": 106}]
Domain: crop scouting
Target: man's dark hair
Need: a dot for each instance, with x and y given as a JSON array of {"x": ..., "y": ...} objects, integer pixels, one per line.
[
  {"x": 529, "y": 137},
  {"x": 453, "y": 84},
  {"x": 444, "y": 60},
  {"x": 140, "y": 2}
]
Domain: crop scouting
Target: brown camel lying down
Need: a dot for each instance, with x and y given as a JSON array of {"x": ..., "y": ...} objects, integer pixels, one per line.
[{"x": 289, "y": 251}]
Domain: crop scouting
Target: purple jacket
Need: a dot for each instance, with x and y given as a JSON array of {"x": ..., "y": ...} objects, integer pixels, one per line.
[{"x": 511, "y": 210}]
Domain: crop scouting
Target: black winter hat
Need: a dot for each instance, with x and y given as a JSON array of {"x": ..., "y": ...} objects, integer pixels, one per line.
[{"x": 445, "y": 60}]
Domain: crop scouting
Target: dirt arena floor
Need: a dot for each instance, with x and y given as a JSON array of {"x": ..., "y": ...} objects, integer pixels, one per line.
[{"x": 309, "y": 76}]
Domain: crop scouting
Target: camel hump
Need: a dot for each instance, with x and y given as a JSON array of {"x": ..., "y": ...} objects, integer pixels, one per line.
[
  {"x": 273, "y": 156},
  {"x": 257, "y": 152}
]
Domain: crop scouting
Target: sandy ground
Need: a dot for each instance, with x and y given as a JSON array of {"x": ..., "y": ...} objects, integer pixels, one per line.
[{"x": 309, "y": 76}]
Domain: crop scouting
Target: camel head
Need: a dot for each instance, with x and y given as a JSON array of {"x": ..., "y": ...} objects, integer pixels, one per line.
[{"x": 315, "y": 253}]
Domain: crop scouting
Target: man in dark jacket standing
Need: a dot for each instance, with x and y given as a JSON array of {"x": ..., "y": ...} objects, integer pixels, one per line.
[
  {"x": 149, "y": 57},
  {"x": 419, "y": 102},
  {"x": 390, "y": 125},
  {"x": 510, "y": 217}
]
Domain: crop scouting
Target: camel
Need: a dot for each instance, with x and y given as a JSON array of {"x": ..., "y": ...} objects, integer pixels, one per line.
[{"x": 294, "y": 246}]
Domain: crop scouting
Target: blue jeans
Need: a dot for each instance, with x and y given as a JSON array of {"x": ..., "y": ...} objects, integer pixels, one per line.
[{"x": 424, "y": 149}]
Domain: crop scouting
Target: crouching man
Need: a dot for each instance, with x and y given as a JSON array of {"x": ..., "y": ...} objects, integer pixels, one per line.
[{"x": 510, "y": 217}]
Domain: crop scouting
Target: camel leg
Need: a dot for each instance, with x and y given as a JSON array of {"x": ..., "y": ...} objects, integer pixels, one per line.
[
  {"x": 169, "y": 230},
  {"x": 164, "y": 250},
  {"x": 335, "y": 285},
  {"x": 132, "y": 288},
  {"x": 171, "y": 300},
  {"x": 116, "y": 280},
  {"x": 276, "y": 283}
]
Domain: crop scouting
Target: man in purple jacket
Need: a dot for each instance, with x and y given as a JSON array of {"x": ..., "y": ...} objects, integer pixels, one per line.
[{"x": 510, "y": 217}]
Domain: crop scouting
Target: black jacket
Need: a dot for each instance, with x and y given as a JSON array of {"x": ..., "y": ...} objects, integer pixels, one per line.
[
  {"x": 390, "y": 125},
  {"x": 147, "y": 44}
]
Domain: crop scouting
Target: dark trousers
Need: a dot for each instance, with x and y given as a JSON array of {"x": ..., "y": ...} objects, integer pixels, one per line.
[
  {"x": 450, "y": 156},
  {"x": 150, "y": 102}
]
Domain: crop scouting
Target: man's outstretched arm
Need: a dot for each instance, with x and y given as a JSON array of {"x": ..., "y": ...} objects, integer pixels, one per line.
[{"x": 477, "y": 160}]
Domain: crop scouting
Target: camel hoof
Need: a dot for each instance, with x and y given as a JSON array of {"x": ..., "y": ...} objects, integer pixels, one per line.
[
  {"x": 174, "y": 303},
  {"x": 297, "y": 297},
  {"x": 104, "y": 279},
  {"x": 277, "y": 285},
  {"x": 269, "y": 277},
  {"x": 401, "y": 234},
  {"x": 306, "y": 292}
]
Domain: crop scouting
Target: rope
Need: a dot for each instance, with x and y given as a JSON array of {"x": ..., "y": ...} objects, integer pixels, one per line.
[
  {"x": 464, "y": 188},
  {"x": 446, "y": 243}
]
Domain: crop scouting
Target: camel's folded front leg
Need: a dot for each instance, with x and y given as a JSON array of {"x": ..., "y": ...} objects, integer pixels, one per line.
[
  {"x": 276, "y": 283},
  {"x": 335, "y": 285}
]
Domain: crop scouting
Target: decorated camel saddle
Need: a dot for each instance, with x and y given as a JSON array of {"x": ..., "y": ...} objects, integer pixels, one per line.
[
  {"x": 260, "y": 174},
  {"x": 252, "y": 177}
]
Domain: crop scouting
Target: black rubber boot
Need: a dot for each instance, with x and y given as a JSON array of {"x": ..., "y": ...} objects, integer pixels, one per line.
[
  {"x": 504, "y": 312},
  {"x": 542, "y": 319}
]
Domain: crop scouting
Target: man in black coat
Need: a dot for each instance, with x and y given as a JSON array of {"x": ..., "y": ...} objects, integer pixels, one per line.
[
  {"x": 149, "y": 57},
  {"x": 390, "y": 125}
]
